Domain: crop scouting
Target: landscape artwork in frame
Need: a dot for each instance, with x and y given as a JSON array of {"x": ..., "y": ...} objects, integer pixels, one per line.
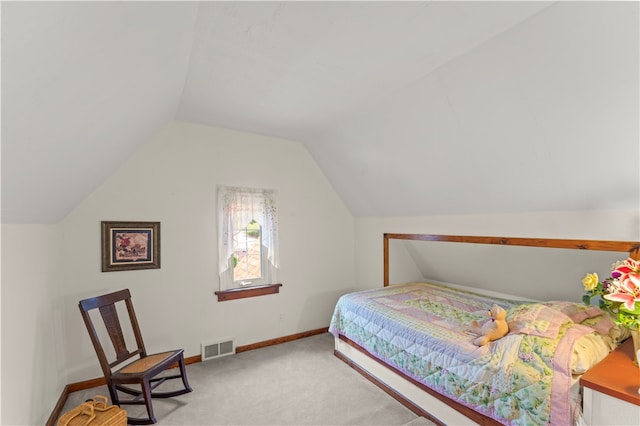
[{"x": 130, "y": 245}]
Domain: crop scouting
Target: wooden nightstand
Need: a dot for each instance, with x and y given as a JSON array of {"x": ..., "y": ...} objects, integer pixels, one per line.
[{"x": 611, "y": 390}]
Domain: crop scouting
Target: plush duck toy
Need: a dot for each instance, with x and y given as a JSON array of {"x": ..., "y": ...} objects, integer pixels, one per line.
[{"x": 493, "y": 329}]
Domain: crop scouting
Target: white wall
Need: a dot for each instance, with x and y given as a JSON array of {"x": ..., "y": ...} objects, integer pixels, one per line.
[
  {"x": 32, "y": 333},
  {"x": 173, "y": 179},
  {"x": 598, "y": 225}
]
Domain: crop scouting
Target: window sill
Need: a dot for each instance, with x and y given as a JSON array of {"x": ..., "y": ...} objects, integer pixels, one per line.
[{"x": 242, "y": 293}]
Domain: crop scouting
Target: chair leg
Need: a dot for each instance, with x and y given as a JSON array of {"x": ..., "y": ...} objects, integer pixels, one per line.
[
  {"x": 113, "y": 392},
  {"x": 146, "y": 395},
  {"x": 183, "y": 373},
  {"x": 146, "y": 392}
]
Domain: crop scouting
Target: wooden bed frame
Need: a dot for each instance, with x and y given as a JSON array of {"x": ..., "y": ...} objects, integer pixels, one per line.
[{"x": 417, "y": 397}]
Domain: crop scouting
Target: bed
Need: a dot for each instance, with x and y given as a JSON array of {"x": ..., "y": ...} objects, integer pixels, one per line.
[{"x": 412, "y": 339}]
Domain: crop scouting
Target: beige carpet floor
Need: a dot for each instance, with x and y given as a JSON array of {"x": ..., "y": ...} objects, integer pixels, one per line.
[{"x": 294, "y": 383}]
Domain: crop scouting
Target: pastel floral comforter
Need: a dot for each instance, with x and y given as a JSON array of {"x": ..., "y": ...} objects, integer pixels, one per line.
[{"x": 421, "y": 329}]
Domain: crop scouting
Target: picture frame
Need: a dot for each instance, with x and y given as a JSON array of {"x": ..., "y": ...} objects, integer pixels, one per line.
[{"x": 130, "y": 245}]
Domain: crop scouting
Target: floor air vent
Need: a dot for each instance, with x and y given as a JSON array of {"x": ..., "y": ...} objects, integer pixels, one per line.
[{"x": 217, "y": 348}]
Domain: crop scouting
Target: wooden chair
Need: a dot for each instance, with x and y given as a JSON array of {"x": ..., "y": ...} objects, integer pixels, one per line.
[{"x": 143, "y": 370}]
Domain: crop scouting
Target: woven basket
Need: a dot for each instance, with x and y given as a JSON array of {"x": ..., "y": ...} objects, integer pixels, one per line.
[{"x": 94, "y": 413}]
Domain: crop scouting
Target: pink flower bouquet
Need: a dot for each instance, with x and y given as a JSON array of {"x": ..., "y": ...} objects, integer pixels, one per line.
[{"x": 619, "y": 294}]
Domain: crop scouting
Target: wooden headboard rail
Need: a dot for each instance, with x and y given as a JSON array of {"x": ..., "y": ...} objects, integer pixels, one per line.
[{"x": 630, "y": 247}]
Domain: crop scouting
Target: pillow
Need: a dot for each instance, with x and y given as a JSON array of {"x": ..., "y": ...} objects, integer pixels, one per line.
[
  {"x": 590, "y": 316},
  {"x": 535, "y": 319},
  {"x": 589, "y": 350}
]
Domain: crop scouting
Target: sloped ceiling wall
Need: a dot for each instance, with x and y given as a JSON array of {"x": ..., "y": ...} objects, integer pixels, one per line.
[
  {"x": 543, "y": 117},
  {"x": 84, "y": 85},
  {"x": 410, "y": 108}
]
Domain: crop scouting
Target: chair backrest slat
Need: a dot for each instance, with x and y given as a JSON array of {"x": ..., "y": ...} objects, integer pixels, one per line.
[{"x": 112, "y": 323}]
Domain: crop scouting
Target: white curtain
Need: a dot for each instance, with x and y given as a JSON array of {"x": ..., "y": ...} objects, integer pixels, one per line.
[{"x": 237, "y": 207}]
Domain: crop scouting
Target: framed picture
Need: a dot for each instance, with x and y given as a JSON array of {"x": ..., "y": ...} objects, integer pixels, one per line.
[{"x": 130, "y": 245}]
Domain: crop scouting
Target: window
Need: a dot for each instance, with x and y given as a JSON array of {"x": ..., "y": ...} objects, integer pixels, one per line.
[{"x": 248, "y": 237}]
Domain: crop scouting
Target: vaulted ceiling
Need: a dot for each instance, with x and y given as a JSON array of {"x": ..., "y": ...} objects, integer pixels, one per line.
[{"x": 409, "y": 108}]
